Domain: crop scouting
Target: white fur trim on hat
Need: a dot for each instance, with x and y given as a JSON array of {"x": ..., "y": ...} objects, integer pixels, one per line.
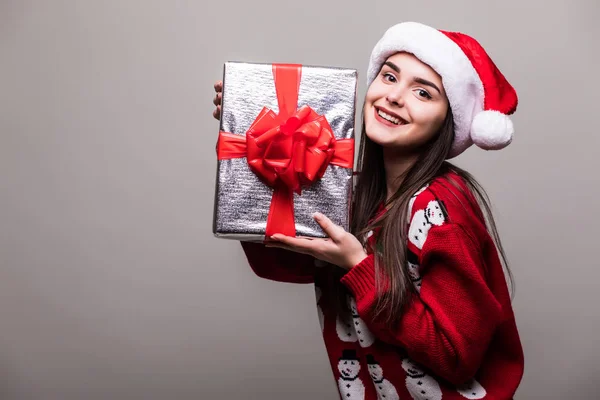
[{"x": 462, "y": 84}]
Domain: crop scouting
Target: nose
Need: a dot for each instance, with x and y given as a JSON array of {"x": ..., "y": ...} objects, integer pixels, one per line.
[{"x": 395, "y": 97}]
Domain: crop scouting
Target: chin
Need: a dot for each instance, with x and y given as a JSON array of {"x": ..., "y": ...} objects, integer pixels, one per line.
[
  {"x": 377, "y": 139},
  {"x": 385, "y": 138}
]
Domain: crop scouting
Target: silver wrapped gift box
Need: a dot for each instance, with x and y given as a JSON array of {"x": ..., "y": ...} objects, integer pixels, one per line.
[{"x": 284, "y": 126}]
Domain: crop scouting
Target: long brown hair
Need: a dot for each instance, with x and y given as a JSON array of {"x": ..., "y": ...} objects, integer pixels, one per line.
[{"x": 370, "y": 192}]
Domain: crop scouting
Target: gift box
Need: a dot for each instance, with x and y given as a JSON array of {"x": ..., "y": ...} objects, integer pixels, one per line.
[{"x": 285, "y": 149}]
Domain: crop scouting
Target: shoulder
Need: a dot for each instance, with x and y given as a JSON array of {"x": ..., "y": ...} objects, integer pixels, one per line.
[{"x": 445, "y": 200}]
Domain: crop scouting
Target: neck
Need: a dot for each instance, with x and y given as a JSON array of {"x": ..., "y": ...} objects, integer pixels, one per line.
[{"x": 396, "y": 164}]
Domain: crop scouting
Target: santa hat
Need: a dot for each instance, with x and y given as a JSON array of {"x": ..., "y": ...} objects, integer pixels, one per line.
[{"x": 480, "y": 97}]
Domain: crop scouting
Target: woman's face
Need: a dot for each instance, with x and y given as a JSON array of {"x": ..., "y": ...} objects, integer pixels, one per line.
[{"x": 405, "y": 105}]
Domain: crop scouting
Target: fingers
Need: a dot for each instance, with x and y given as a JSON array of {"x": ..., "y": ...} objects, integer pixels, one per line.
[
  {"x": 332, "y": 230},
  {"x": 287, "y": 247},
  {"x": 218, "y": 99},
  {"x": 313, "y": 238},
  {"x": 307, "y": 246},
  {"x": 217, "y": 112}
]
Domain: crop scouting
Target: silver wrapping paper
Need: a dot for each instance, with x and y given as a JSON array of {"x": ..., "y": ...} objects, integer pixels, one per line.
[{"x": 242, "y": 201}]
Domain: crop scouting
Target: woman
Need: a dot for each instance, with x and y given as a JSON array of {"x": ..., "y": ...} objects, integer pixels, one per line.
[{"x": 414, "y": 301}]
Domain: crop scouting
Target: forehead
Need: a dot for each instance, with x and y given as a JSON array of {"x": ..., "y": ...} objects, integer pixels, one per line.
[{"x": 409, "y": 63}]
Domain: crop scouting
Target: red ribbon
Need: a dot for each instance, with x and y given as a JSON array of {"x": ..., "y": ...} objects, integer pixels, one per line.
[{"x": 289, "y": 150}]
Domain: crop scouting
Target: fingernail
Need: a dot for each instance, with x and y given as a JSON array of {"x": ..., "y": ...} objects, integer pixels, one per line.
[{"x": 317, "y": 215}]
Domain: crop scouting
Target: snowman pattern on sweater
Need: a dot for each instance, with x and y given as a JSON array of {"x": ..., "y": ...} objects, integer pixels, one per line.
[
  {"x": 420, "y": 385},
  {"x": 420, "y": 224},
  {"x": 385, "y": 389},
  {"x": 413, "y": 270},
  {"x": 352, "y": 328},
  {"x": 411, "y": 202},
  {"x": 472, "y": 390},
  {"x": 363, "y": 334},
  {"x": 345, "y": 329},
  {"x": 350, "y": 385},
  {"x": 423, "y": 220}
]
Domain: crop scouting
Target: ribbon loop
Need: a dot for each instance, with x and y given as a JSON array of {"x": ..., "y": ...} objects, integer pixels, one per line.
[{"x": 286, "y": 146}]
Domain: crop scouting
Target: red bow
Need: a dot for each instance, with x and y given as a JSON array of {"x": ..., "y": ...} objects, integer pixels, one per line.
[{"x": 287, "y": 151}]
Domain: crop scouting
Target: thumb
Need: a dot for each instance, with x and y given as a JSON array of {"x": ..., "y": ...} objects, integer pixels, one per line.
[{"x": 332, "y": 230}]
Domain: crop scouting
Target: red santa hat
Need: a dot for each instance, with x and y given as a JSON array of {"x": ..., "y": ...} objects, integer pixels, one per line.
[{"x": 479, "y": 95}]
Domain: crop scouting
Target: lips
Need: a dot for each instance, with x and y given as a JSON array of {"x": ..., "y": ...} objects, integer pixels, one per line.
[{"x": 388, "y": 117}]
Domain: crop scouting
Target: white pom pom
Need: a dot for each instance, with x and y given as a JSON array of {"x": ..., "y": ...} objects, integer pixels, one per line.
[{"x": 492, "y": 130}]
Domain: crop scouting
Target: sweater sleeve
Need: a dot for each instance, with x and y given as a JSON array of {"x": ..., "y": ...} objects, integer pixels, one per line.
[
  {"x": 279, "y": 264},
  {"x": 448, "y": 326}
]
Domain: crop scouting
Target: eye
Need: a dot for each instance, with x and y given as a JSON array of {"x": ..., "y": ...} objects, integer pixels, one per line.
[
  {"x": 424, "y": 93},
  {"x": 388, "y": 76}
]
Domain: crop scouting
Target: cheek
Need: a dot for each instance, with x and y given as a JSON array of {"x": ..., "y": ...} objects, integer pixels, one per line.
[
  {"x": 428, "y": 118},
  {"x": 368, "y": 113},
  {"x": 366, "y": 106},
  {"x": 375, "y": 92}
]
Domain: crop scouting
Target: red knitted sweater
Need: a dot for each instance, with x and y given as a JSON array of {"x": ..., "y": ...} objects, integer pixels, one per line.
[{"x": 456, "y": 339}]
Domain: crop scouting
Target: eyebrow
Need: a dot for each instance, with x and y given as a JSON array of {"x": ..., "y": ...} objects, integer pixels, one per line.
[{"x": 417, "y": 79}]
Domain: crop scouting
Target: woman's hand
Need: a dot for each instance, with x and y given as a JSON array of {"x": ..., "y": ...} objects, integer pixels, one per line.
[
  {"x": 217, "y": 99},
  {"x": 341, "y": 248}
]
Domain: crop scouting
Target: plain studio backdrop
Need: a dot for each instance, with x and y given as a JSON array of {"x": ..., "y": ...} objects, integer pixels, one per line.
[{"x": 112, "y": 285}]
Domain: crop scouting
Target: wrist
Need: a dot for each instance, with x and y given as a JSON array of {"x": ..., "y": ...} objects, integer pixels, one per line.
[{"x": 356, "y": 259}]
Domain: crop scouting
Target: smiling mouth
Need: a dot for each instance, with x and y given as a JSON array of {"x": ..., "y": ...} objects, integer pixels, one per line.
[{"x": 389, "y": 117}]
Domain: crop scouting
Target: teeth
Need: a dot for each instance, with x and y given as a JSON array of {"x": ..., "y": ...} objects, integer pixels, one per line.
[{"x": 388, "y": 117}]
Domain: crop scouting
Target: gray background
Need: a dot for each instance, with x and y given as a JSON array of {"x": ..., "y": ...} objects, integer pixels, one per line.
[{"x": 112, "y": 285}]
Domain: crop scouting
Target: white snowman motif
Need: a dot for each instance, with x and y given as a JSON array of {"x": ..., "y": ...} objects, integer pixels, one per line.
[
  {"x": 420, "y": 385},
  {"x": 415, "y": 277},
  {"x": 472, "y": 390},
  {"x": 318, "y": 294},
  {"x": 434, "y": 213},
  {"x": 412, "y": 199},
  {"x": 351, "y": 328},
  {"x": 385, "y": 389},
  {"x": 350, "y": 385},
  {"x": 422, "y": 221},
  {"x": 418, "y": 230},
  {"x": 364, "y": 335},
  {"x": 365, "y": 240},
  {"x": 344, "y": 327}
]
